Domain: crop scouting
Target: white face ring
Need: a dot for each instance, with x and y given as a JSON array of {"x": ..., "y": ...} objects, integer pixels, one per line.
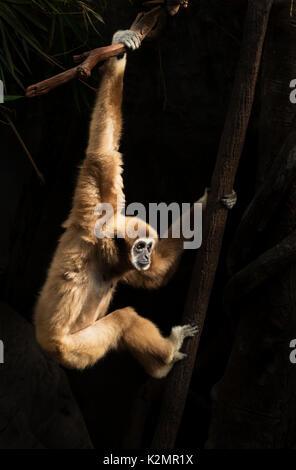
[{"x": 141, "y": 255}]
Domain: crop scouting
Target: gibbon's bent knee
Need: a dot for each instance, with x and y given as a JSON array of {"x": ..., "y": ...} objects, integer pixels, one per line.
[
  {"x": 60, "y": 350},
  {"x": 71, "y": 358}
]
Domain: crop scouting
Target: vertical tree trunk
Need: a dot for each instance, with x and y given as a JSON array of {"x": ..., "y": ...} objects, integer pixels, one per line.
[
  {"x": 231, "y": 146},
  {"x": 256, "y": 398}
]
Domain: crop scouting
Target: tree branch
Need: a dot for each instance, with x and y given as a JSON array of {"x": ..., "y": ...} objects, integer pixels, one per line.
[
  {"x": 230, "y": 150},
  {"x": 143, "y": 25}
]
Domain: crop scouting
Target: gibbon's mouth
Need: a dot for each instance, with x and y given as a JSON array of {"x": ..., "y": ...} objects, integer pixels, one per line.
[{"x": 143, "y": 266}]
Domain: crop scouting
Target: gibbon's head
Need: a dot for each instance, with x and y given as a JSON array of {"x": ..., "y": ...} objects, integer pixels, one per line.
[
  {"x": 141, "y": 253},
  {"x": 141, "y": 239}
]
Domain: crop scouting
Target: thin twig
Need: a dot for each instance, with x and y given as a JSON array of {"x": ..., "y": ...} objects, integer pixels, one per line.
[{"x": 39, "y": 174}]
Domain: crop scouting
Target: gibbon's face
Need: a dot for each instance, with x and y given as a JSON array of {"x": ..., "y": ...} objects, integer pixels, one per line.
[{"x": 141, "y": 253}]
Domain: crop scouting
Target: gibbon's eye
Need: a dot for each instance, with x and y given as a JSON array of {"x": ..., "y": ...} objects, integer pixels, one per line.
[
  {"x": 149, "y": 246},
  {"x": 140, "y": 246}
]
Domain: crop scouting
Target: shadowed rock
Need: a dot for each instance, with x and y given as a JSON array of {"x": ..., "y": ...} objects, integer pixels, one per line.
[{"x": 37, "y": 408}]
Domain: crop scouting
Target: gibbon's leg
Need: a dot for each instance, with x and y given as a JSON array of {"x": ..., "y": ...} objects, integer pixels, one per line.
[
  {"x": 156, "y": 353},
  {"x": 124, "y": 328}
]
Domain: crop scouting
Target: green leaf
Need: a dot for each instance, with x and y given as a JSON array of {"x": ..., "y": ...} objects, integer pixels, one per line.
[
  {"x": 12, "y": 97},
  {"x": 56, "y": 10},
  {"x": 30, "y": 26}
]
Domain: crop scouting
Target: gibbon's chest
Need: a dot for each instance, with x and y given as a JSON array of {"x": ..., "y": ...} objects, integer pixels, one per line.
[
  {"x": 103, "y": 291},
  {"x": 99, "y": 296}
]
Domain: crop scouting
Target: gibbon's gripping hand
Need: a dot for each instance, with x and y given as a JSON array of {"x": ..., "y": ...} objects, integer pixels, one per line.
[
  {"x": 129, "y": 38},
  {"x": 229, "y": 200}
]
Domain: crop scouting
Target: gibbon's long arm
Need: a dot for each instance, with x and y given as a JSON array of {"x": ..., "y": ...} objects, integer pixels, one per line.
[{"x": 100, "y": 180}]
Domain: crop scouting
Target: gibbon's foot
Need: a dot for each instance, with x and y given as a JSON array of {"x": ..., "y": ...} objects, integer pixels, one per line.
[
  {"x": 179, "y": 333},
  {"x": 129, "y": 38},
  {"x": 176, "y": 338},
  {"x": 229, "y": 200}
]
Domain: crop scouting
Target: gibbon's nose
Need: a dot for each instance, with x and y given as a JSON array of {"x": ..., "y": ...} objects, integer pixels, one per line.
[{"x": 146, "y": 257}]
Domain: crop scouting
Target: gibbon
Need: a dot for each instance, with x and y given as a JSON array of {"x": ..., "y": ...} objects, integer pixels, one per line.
[{"x": 70, "y": 314}]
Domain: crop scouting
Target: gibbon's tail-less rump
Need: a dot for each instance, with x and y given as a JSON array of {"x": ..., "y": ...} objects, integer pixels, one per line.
[{"x": 70, "y": 314}]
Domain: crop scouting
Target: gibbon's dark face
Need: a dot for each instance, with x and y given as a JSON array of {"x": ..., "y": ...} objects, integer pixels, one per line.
[{"x": 141, "y": 253}]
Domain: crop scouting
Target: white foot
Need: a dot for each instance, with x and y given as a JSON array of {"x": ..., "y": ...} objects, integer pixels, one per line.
[
  {"x": 177, "y": 336},
  {"x": 179, "y": 333}
]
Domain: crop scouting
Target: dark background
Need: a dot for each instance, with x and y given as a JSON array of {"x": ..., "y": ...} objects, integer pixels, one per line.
[{"x": 176, "y": 95}]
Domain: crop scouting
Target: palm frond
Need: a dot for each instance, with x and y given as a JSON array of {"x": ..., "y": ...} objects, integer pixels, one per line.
[{"x": 42, "y": 27}]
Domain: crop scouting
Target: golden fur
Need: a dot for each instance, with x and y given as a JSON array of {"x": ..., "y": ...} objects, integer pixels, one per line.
[{"x": 70, "y": 314}]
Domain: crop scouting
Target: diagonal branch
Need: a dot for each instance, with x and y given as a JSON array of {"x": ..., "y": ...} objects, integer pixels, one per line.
[{"x": 143, "y": 25}]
